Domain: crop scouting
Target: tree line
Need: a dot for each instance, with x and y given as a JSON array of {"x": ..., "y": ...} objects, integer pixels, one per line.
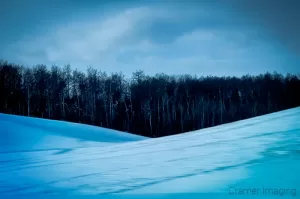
[{"x": 152, "y": 106}]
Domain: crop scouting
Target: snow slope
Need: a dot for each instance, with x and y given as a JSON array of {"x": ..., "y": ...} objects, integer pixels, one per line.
[
  {"x": 26, "y": 133},
  {"x": 259, "y": 153}
]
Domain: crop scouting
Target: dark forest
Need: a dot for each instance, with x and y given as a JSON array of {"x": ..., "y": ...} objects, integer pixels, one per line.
[{"x": 152, "y": 106}]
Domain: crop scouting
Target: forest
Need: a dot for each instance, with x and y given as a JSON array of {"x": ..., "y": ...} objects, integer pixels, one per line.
[{"x": 152, "y": 106}]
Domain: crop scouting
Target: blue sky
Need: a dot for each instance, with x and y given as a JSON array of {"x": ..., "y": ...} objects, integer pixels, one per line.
[{"x": 173, "y": 37}]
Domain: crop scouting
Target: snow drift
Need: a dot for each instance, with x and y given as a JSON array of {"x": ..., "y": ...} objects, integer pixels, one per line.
[
  {"x": 261, "y": 153},
  {"x": 27, "y": 133}
]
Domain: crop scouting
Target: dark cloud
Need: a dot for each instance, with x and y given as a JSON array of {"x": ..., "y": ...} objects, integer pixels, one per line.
[{"x": 279, "y": 18}]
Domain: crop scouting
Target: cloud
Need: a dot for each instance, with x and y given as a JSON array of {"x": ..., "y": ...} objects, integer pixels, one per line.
[
  {"x": 279, "y": 18},
  {"x": 169, "y": 39},
  {"x": 208, "y": 52},
  {"x": 85, "y": 40}
]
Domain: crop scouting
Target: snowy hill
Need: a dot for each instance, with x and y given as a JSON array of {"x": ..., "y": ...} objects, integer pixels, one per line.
[
  {"x": 261, "y": 153},
  {"x": 27, "y": 133}
]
